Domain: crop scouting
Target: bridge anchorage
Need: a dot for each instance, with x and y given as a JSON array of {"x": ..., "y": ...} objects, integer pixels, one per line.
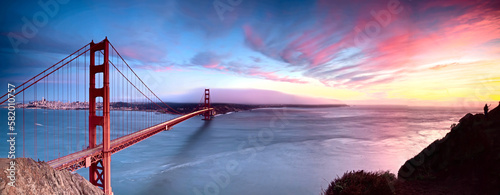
[{"x": 106, "y": 134}]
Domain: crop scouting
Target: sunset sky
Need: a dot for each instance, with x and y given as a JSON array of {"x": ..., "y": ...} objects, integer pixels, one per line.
[{"x": 359, "y": 52}]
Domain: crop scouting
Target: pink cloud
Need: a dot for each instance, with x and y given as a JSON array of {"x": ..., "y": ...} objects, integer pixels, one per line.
[
  {"x": 423, "y": 33},
  {"x": 213, "y": 66},
  {"x": 441, "y": 66},
  {"x": 449, "y": 40},
  {"x": 143, "y": 52},
  {"x": 256, "y": 72},
  {"x": 253, "y": 40},
  {"x": 213, "y": 61}
]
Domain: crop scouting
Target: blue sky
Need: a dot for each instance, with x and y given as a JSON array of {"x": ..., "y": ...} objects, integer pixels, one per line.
[{"x": 345, "y": 50}]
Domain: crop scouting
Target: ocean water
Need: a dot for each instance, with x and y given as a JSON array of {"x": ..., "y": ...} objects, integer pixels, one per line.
[{"x": 272, "y": 151}]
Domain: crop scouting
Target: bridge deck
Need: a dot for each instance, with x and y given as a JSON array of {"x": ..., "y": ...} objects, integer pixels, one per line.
[{"x": 82, "y": 158}]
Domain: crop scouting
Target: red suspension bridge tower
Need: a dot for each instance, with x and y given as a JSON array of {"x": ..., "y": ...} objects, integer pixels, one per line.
[
  {"x": 207, "y": 115},
  {"x": 100, "y": 171}
]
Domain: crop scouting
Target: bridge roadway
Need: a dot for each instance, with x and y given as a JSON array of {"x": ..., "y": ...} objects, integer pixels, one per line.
[{"x": 84, "y": 158}]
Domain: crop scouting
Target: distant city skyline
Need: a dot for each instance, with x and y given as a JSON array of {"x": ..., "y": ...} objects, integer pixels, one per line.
[{"x": 366, "y": 52}]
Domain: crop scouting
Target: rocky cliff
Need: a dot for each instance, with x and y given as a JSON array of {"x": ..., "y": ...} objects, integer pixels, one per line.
[
  {"x": 466, "y": 160},
  {"x": 39, "y": 178}
]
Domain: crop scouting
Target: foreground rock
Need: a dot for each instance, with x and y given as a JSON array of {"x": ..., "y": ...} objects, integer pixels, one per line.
[
  {"x": 466, "y": 160},
  {"x": 39, "y": 178}
]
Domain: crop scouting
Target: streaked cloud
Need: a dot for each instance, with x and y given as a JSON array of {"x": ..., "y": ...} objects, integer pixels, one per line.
[{"x": 381, "y": 49}]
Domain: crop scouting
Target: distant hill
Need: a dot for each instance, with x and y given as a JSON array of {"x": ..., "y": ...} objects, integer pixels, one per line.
[{"x": 250, "y": 96}]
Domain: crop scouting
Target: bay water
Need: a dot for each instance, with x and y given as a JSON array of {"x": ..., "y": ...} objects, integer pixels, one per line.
[{"x": 265, "y": 151}]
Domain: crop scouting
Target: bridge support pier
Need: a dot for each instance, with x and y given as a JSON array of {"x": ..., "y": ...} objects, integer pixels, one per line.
[{"x": 100, "y": 171}]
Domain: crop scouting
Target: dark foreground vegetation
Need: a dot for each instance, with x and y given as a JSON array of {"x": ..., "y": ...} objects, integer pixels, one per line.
[
  {"x": 465, "y": 161},
  {"x": 361, "y": 182}
]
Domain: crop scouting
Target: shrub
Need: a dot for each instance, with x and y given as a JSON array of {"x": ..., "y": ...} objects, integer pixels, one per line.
[{"x": 361, "y": 182}]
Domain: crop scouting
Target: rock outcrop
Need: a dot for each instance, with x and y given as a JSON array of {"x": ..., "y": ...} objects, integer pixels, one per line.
[
  {"x": 466, "y": 160},
  {"x": 39, "y": 178}
]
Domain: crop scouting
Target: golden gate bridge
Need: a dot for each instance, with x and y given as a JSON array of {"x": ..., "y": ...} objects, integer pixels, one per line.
[{"x": 83, "y": 132}]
